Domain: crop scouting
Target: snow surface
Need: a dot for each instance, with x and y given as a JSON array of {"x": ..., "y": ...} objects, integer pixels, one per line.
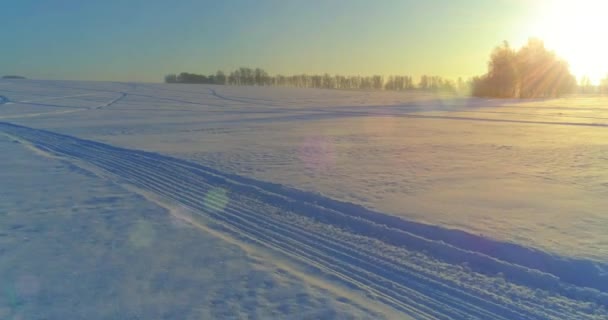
[
  {"x": 395, "y": 203},
  {"x": 73, "y": 246}
]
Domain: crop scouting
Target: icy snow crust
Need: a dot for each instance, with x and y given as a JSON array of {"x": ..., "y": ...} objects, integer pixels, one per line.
[{"x": 431, "y": 206}]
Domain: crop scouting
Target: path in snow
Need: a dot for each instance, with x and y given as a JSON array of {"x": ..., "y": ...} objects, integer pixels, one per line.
[
  {"x": 74, "y": 246},
  {"x": 424, "y": 271}
]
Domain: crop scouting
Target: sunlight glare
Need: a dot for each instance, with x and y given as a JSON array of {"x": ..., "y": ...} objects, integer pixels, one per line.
[{"x": 576, "y": 30}]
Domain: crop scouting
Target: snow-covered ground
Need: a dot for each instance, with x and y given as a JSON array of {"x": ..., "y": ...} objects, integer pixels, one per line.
[
  {"x": 367, "y": 204},
  {"x": 73, "y": 246}
]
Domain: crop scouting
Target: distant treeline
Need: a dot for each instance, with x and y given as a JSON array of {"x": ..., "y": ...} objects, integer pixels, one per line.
[
  {"x": 259, "y": 77},
  {"x": 603, "y": 87},
  {"x": 586, "y": 87},
  {"x": 530, "y": 72},
  {"x": 12, "y": 77}
]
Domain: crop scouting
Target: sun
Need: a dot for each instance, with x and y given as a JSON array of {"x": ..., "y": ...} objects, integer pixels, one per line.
[{"x": 577, "y": 32}]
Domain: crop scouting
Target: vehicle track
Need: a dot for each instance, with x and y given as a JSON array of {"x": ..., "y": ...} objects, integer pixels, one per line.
[
  {"x": 113, "y": 101},
  {"x": 409, "y": 272}
]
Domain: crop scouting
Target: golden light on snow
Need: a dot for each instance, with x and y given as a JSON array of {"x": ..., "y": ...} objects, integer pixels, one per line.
[{"x": 577, "y": 31}]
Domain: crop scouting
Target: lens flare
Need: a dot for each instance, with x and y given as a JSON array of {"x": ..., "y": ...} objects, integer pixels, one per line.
[{"x": 216, "y": 199}]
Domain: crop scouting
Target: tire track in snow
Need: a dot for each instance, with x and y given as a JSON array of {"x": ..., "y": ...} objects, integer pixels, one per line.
[
  {"x": 113, "y": 101},
  {"x": 156, "y": 98},
  {"x": 54, "y": 98},
  {"x": 247, "y": 101},
  {"x": 357, "y": 250},
  {"x": 419, "y": 114},
  {"x": 36, "y": 102}
]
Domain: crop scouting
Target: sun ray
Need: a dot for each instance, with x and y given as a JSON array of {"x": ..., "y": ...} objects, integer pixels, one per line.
[{"x": 576, "y": 30}]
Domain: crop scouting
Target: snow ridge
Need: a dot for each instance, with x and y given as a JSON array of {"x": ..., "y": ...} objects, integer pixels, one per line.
[{"x": 424, "y": 271}]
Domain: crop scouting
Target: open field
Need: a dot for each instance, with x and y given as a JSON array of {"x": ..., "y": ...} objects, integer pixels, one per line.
[{"x": 343, "y": 203}]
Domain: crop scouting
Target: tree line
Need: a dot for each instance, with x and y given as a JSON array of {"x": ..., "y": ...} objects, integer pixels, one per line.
[
  {"x": 12, "y": 77},
  {"x": 603, "y": 87},
  {"x": 530, "y": 72},
  {"x": 587, "y": 87},
  {"x": 259, "y": 77}
]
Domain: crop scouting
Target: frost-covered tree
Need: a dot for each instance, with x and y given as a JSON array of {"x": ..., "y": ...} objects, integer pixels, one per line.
[
  {"x": 532, "y": 71},
  {"x": 604, "y": 85},
  {"x": 220, "y": 77}
]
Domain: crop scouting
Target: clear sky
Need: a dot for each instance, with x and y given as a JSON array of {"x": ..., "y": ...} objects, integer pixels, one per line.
[{"x": 142, "y": 40}]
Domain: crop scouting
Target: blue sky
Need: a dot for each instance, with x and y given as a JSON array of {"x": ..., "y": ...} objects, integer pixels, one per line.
[{"x": 133, "y": 40}]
